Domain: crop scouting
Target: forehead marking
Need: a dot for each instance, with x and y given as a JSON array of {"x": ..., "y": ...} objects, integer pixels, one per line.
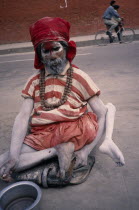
[{"x": 50, "y": 45}]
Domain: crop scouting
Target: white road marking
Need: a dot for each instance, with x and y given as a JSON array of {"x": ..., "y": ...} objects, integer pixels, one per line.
[
  {"x": 13, "y": 54},
  {"x": 84, "y": 54},
  {"x": 31, "y": 59},
  {"x": 13, "y": 61}
]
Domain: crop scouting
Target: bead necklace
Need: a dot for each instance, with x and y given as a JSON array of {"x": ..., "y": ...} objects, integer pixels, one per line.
[{"x": 45, "y": 105}]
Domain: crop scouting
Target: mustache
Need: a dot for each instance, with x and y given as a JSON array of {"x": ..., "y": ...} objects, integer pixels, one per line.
[{"x": 55, "y": 62}]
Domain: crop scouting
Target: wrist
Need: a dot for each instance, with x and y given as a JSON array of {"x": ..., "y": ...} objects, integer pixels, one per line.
[{"x": 13, "y": 158}]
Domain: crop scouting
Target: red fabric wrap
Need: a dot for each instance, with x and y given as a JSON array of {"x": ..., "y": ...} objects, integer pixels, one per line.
[
  {"x": 51, "y": 29},
  {"x": 80, "y": 132}
]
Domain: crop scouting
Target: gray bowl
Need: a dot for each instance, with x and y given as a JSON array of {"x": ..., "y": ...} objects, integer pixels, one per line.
[{"x": 24, "y": 195}]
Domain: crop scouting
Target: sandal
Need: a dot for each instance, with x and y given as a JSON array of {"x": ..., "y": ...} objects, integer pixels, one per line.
[{"x": 81, "y": 174}]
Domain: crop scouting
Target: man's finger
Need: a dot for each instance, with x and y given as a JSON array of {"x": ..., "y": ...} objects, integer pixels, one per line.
[
  {"x": 8, "y": 168},
  {"x": 7, "y": 178},
  {"x": 4, "y": 175}
]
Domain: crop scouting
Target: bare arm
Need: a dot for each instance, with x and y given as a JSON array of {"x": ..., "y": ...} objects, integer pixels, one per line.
[
  {"x": 100, "y": 110},
  {"x": 20, "y": 129},
  {"x": 18, "y": 134}
]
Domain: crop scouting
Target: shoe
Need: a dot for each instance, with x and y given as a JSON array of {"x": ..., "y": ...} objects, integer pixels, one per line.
[
  {"x": 108, "y": 33},
  {"x": 81, "y": 174},
  {"x": 111, "y": 40},
  {"x": 47, "y": 174}
]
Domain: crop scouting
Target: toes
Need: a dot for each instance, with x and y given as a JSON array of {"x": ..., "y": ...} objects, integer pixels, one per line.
[
  {"x": 119, "y": 164},
  {"x": 122, "y": 160}
]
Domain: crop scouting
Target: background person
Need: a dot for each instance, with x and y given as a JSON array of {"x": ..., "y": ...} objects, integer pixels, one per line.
[
  {"x": 117, "y": 20},
  {"x": 109, "y": 21}
]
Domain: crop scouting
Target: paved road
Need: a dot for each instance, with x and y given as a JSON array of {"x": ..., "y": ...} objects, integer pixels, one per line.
[{"x": 115, "y": 70}]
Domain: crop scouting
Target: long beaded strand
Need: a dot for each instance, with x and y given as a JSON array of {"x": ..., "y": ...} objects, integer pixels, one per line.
[{"x": 45, "y": 105}]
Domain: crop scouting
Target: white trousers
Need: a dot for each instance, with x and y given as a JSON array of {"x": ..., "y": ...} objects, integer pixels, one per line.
[{"x": 112, "y": 23}]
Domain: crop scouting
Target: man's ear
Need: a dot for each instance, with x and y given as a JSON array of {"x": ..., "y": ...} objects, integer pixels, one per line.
[
  {"x": 38, "y": 51},
  {"x": 64, "y": 44}
]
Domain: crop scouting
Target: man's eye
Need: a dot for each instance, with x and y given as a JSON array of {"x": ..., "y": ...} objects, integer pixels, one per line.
[
  {"x": 56, "y": 48},
  {"x": 45, "y": 51}
]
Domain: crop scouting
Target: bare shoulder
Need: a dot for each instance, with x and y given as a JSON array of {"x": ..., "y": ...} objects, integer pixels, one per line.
[{"x": 97, "y": 105}]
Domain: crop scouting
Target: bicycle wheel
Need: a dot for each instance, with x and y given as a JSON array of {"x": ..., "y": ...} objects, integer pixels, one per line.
[
  {"x": 101, "y": 38},
  {"x": 127, "y": 35}
]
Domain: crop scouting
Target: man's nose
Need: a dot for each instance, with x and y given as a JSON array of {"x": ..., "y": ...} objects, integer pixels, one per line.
[{"x": 53, "y": 55}]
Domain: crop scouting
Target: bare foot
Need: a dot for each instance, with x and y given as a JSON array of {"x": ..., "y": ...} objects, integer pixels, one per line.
[
  {"x": 109, "y": 148},
  {"x": 65, "y": 153}
]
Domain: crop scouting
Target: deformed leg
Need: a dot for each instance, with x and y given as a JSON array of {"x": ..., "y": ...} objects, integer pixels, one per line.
[
  {"x": 65, "y": 152},
  {"x": 108, "y": 146},
  {"x": 4, "y": 157},
  {"x": 28, "y": 158}
]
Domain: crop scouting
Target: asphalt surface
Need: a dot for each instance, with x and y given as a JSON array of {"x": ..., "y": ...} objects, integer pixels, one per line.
[
  {"x": 81, "y": 41},
  {"x": 114, "y": 68}
]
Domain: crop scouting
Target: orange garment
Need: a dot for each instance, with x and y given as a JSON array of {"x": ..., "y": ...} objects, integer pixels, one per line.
[{"x": 81, "y": 131}]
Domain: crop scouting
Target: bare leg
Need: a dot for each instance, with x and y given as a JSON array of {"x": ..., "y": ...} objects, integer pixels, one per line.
[
  {"x": 28, "y": 158},
  {"x": 32, "y": 158},
  {"x": 4, "y": 156},
  {"x": 65, "y": 153},
  {"x": 108, "y": 146}
]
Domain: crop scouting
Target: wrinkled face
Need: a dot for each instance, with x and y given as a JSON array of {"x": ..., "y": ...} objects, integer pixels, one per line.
[{"x": 53, "y": 57}]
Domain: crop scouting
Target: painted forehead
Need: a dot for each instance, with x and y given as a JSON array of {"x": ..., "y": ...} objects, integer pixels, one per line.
[{"x": 51, "y": 45}]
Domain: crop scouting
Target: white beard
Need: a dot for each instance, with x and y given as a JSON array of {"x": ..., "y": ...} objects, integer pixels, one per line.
[{"x": 57, "y": 66}]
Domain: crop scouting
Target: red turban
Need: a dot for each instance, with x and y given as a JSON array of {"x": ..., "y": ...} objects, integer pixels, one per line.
[{"x": 51, "y": 29}]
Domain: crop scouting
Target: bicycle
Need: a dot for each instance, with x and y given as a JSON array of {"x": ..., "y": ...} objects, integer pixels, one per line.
[{"x": 126, "y": 35}]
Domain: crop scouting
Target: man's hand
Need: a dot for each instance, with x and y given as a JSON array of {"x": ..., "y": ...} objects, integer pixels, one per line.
[{"x": 7, "y": 168}]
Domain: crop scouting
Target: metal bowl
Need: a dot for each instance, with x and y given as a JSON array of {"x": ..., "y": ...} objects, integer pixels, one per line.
[{"x": 24, "y": 195}]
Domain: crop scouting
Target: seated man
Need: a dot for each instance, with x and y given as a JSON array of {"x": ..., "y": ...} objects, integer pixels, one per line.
[
  {"x": 55, "y": 108},
  {"x": 111, "y": 19}
]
